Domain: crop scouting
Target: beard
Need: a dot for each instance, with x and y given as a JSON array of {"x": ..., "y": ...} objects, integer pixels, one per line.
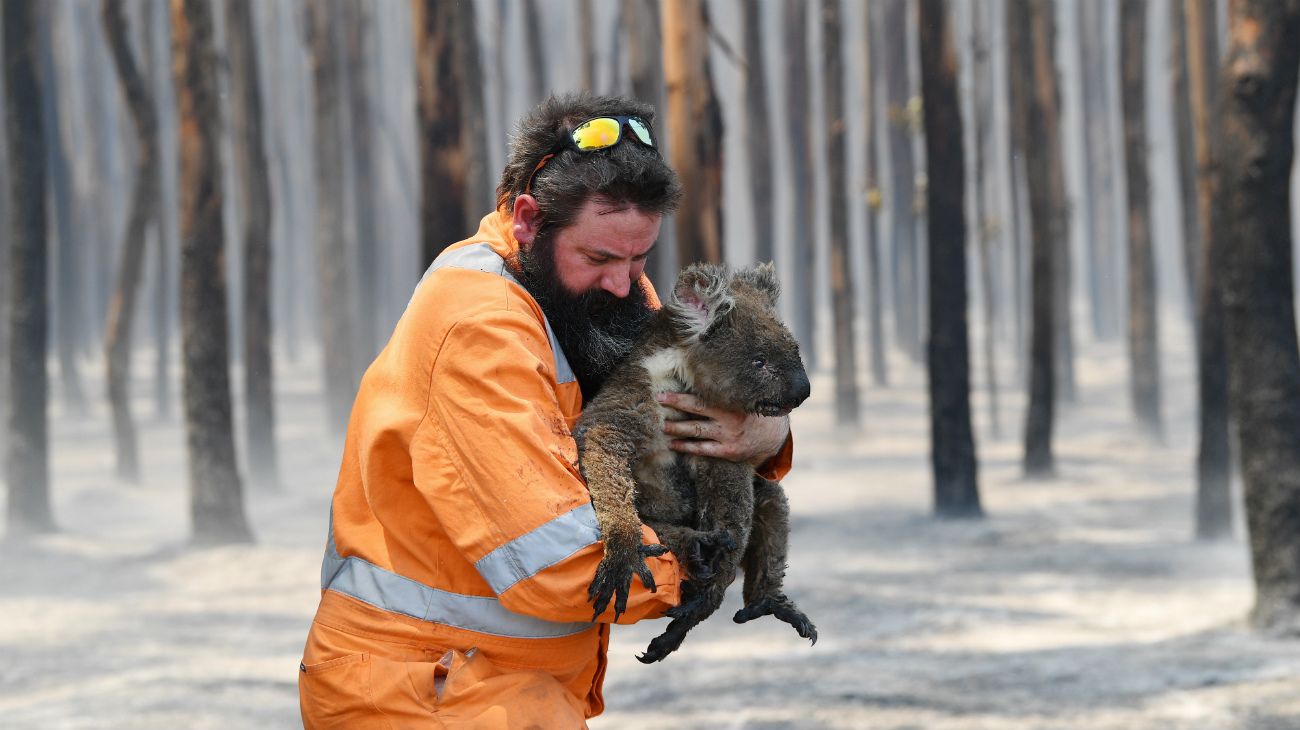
[{"x": 595, "y": 329}]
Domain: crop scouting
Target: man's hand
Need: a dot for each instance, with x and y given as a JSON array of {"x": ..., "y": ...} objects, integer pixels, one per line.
[{"x": 738, "y": 437}]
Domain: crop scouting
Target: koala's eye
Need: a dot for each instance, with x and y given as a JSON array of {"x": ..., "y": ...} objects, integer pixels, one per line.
[{"x": 758, "y": 363}]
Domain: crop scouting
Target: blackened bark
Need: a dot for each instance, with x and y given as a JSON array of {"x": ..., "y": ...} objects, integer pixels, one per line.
[
  {"x": 694, "y": 131},
  {"x": 1257, "y": 111},
  {"x": 535, "y": 46},
  {"x": 1214, "y": 501},
  {"x": 144, "y": 206},
  {"x": 758, "y": 136},
  {"x": 1143, "y": 327},
  {"x": 480, "y": 190},
  {"x": 438, "y": 101},
  {"x": 640, "y": 19},
  {"x": 255, "y": 202},
  {"x": 28, "y": 462},
  {"x": 587, "y": 45},
  {"x": 158, "y": 67},
  {"x": 846, "y": 371},
  {"x": 803, "y": 267},
  {"x": 870, "y": 112},
  {"x": 952, "y": 446},
  {"x": 982, "y": 91},
  {"x": 336, "y": 316},
  {"x": 217, "y": 502},
  {"x": 1031, "y": 68},
  {"x": 902, "y": 176}
]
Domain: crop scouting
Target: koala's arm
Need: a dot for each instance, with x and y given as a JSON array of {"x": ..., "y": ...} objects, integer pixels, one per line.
[{"x": 515, "y": 506}]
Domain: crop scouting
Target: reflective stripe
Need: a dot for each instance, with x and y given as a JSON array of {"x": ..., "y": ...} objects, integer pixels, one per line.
[
  {"x": 481, "y": 257},
  {"x": 539, "y": 549},
  {"x": 385, "y": 589}
]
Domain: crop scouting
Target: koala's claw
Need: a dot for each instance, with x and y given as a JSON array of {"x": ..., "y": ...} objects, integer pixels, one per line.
[
  {"x": 706, "y": 552},
  {"x": 782, "y": 608},
  {"x": 614, "y": 578}
]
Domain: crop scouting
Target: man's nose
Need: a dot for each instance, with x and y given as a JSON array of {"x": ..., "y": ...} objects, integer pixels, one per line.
[{"x": 618, "y": 282}]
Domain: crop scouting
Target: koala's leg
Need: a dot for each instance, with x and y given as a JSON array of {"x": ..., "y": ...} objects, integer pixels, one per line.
[
  {"x": 764, "y": 561},
  {"x": 701, "y": 552},
  {"x": 607, "y": 457},
  {"x": 725, "y": 509}
]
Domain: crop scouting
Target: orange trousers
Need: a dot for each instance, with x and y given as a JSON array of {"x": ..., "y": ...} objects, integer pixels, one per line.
[{"x": 351, "y": 678}]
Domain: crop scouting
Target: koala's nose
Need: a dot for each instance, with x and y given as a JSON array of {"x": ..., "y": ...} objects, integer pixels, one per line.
[{"x": 800, "y": 388}]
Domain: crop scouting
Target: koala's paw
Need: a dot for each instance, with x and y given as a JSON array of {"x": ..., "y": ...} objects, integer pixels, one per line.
[
  {"x": 784, "y": 609},
  {"x": 614, "y": 577},
  {"x": 707, "y": 551}
]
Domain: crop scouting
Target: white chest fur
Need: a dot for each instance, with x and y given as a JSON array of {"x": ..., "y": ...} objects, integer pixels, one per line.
[{"x": 668, "y": 373}]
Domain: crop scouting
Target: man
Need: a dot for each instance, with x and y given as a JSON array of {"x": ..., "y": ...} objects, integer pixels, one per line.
[{"x": 462, "y": 539}]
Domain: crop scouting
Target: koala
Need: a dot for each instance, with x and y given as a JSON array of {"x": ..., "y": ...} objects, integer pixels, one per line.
[{"x": 719, "y": 338}]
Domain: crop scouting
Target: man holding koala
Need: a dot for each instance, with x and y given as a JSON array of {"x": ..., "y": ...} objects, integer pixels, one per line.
[{"x": 462, "y": 538}]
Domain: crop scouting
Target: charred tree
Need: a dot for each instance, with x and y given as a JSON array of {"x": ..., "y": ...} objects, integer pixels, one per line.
[
  {"x": 366, "y": 249},
  {"x": 534, "y": 48},
  {"x": 144, "y": 207},
  {"x": 1257, "y": 109},
  {"x": 803, "y": 267},
  {"x": 902, "y": 178},
  {"x": 875, "y": 299},
  {"x": 952, "y": 445},
  {"x": 846, "y": 371},
  {"x": 1214, "y": 501},
  {"x": 159, "y": 55},
  {"x": 255, "y": 202},
  {"x": 444, "y": 183},
  {"x": 986, "y": 226},
  {"x": 758, "y": 136},
  {"x": 694, "y": 130},
  {"x": 217, "y": 501},
  {"x": 1142, "y": 318},
  {"x": 644, "y": 45},
  {"x": 336, "y": 316},
  {"x": 587, "y": 44},
  {"x": 27, "y": 461},
  {"x": 1031, "y": 64}
]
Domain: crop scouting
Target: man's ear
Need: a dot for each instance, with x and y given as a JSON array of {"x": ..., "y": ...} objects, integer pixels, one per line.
[
  {"x": 700, "y": 299},
  {"x": 527, "y": 219}
]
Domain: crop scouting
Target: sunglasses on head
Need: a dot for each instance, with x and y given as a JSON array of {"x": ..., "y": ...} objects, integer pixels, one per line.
[{"x": 597, "y": 133}]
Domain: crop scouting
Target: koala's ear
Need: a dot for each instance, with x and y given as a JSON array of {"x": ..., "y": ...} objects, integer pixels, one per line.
[
  {"x": 700, "y": 299},
  {"x": 763, "y": 278}
]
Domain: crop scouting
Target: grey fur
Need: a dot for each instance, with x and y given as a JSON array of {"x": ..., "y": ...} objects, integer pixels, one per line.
[{"x": 719, "y": 338}]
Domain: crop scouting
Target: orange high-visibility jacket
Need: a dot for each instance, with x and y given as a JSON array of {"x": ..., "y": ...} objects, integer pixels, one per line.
[{"x": 462, "y": 538}]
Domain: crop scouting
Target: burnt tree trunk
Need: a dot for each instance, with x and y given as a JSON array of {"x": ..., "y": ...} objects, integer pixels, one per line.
[
  {"x": 217, "y": 501},
  {"x": 982, "y": 91},
  {"x": 144, "y": 207},
  {"x": 158, "y": 66},
  {"x": 836, "y": 131},
  {"x": 803, "y": 267},
  {"x": 586, "y": 45},
  {"x": 644, "y": 45},
  {"x": 440, "y": 128},
  {"x": 255, "y": 202},
  {"x": 1185, "y": 152},
  {"x": 952, "y": 446},
  {"x": 27, "y": 464},
  {"x": 366, "y": 249},
  {"x": 1257, "y": 112},
  {"x": 336, "y": 294},
  {"x": 1142, "y": 314},
  {"x": 875, "y": 299},
  {"x": 902, "y": 179},
  {"x": 1032, "y": 70},
  {"x": 694, "y": 131},
  {"x": 1214, "y": 501},
  {"x": 535, "y": 46},
  {"x": 758, "y": 135}
]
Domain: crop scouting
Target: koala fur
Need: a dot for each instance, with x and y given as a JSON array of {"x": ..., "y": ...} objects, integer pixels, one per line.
[{"x": 719, "y": 338}]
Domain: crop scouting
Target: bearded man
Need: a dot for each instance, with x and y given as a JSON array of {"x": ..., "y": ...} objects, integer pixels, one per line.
[{"x": 462, "y": 539}]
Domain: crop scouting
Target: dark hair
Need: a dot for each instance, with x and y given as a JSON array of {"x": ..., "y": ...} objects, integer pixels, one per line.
[{"x": 628, "y": 173}]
